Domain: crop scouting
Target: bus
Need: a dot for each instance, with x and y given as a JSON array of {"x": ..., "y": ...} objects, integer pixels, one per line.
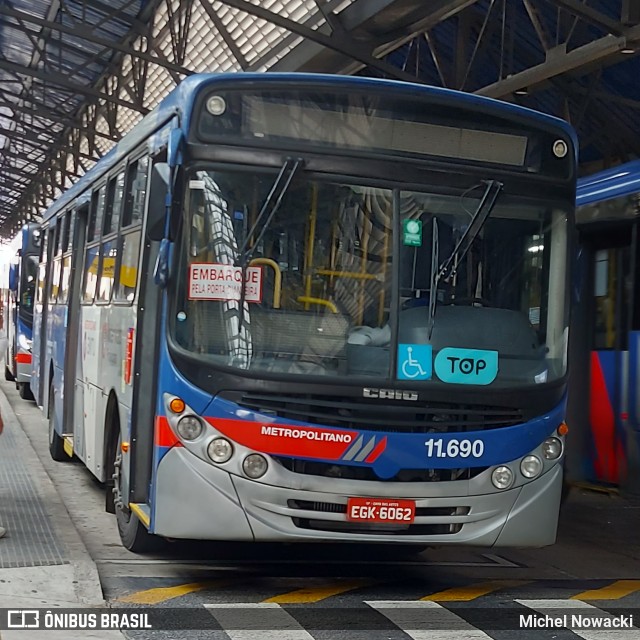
[
  {"x": 608, "y": 219},
  {"x": 291, "y": 307},
  {"x": 17, "y": 301}
]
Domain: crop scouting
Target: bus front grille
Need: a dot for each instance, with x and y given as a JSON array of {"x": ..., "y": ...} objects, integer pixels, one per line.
[
  {"x": 389, "y": 415},
  {"x": 348, "y": 472}
]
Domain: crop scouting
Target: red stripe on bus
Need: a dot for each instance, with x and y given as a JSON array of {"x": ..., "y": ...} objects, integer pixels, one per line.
[
  {"x": 23, "y": 358},
  {"x": 164, "y": 436},
  {"x": 375, "y": 454}
]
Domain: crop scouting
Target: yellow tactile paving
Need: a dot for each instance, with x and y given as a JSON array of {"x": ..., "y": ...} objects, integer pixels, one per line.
[
  {"x": 161, "y": 594},
  {"x": 613, "y": 591},
  {"x": 321, "y": 592},
  {"x": 472, "y": 591}
]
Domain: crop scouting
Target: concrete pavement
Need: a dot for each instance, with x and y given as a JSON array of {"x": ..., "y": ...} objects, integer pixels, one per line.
[{"x": 43, "y": 561}]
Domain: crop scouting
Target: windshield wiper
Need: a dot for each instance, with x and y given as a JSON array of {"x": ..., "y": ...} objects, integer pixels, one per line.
[
  {"x": 269, "y": 208},
  {"x": 448, "y": 268}
]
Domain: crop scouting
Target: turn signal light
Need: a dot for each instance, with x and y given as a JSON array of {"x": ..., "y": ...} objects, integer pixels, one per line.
[
  {"x": 125, "y": 447},
  {"x": 563, "y": 429},
  {"x": 177, "y": 405}
]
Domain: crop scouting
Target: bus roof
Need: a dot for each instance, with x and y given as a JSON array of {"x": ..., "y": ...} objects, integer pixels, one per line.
[
  {"x": 181, "y": 99},
  {"x": 622, "y": 180}
]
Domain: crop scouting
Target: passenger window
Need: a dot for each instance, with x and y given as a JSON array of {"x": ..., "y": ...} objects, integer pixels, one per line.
[
  {"x": 90, "y": 282},
  {"x": 59, "y": 235},
  {"x": 64, "y": 234},
  {"x": 128, "y": 279},
  {"x": 114, "y": 202},
  {"x": 55, "y": 280},
  {"x": 64, "y": 281},
  {"x": 136, "y": 192},
  {"x": 97, "y": 214},
  {"x": 72, "y": 228},
  {"x": 109, "y": 253}
]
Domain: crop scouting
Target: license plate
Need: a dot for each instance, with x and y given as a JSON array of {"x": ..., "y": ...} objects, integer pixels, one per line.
[{"x": 380, "y": 510}]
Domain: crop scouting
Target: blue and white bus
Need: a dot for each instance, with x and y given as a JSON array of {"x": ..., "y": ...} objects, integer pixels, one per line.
[
  {"x": 18, "y": 301},
  {"x": 608, "y": 221},
  {"x": 316, "y": 308}
]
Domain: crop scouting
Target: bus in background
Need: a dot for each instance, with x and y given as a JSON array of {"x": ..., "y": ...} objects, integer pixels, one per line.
[
  {"x": 313, "y": 308},
  {"x": 608, "y": 220},
  {"x": 18, "y": 298}
]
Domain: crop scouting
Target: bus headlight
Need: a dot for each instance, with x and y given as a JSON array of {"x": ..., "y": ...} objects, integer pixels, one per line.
[
  {"x": 190, "y": 427},
  {"x": 502, "y": 477},
  {"x": 552, "y": 448},
  {"x": 530, "y": 466},
  {"x": 254, "y": 466},
  {"x": 220, "y": 450},
  {"x": 24, "y": 342}
]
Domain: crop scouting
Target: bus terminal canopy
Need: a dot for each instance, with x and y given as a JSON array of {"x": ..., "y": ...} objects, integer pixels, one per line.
[{"x": 76, "y": 75}]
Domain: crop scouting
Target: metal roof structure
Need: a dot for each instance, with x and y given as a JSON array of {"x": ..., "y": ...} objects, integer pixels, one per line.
[{"x": 76, "y": 75}]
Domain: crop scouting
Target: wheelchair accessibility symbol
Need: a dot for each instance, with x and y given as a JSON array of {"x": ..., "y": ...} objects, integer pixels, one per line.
[{"x": 414, "y": 362}]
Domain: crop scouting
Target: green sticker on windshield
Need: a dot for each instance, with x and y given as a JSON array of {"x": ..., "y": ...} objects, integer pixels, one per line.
[{"x": 412, "y": 233}]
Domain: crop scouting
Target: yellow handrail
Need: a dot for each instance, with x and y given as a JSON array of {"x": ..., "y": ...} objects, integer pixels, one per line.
[
  {"x": 277, "y": 287},
  {"x": 308, "y": 263},
  {"x": 349, "y": 274},
  {"x": 325, "y": 303}
]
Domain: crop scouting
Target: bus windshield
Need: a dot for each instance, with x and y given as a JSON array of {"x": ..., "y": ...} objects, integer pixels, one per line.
[{"x": 331, "y": 291}]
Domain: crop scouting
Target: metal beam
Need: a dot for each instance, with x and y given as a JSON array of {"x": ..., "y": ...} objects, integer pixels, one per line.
[
  {"x": 559, "y": 61},
  {"x": 84, "y": 32},
  {"x": 60, "y": 80},
  {"x": 356, "y": 51},
  {"x": 586, "y": 13}
]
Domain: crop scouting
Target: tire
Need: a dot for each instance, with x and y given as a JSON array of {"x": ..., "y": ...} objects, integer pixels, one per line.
[
  {"x": 24, "y": 390},
  {"x": 134, "y": 535},
  {"x": 56, "y": 443},
  {"x": 8, "y": 375}
]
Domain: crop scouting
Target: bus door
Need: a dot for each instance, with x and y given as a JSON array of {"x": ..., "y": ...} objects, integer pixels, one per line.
[
  {"x": 612, "y": 253},
  {"x": 72, "y": 353},
  {"x": 44, "y": 347}
]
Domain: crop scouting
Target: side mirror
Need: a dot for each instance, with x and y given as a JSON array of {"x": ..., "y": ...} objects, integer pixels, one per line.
[
  {"x": 13, "y": 277},
  {"x": 159, "y": 190}
]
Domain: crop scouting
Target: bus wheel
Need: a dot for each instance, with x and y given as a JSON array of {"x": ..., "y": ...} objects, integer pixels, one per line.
[
  {"x": 24, "y": 390},
  {"x": 8, "y": 375},
  {"x": 56, "y": 443},
  {"x": 133, "y": 533}
]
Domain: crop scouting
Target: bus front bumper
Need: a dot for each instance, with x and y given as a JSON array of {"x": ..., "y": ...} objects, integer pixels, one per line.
[{"x": 195, "y": 499}]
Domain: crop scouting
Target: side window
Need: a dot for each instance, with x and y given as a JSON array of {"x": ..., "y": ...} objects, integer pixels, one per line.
[
  {"x": 114, "y": 203},
  {"x": 136, "y": 192},
  {"x": 130, "y": 252},
  {"x": 109, "y": 253},
  {"x": 90, "y": 278},
  {"x": 56, "y": 266},
  {"x": 97, "y": 214}
]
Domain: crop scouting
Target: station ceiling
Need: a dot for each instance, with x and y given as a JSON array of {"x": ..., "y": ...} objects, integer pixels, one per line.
[{"x": 76, "y": 75}]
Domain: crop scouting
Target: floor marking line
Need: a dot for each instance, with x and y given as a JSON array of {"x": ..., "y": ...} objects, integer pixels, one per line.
[
  {"x": 322, "y": 592},
  {"x": 162, "y": 594},
  {"x": 613, "y": 591},
  {"x": 472, "y": 591},
  {"x": 554, "y": 608},
  {"x": 266, "y": 620},
  {"x": 444, "y": 624}
]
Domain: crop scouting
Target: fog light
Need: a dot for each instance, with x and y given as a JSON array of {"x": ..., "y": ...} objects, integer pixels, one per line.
[
  {"x": 190, "y": 427},
  {"x": 531, "y": 466},
  {"x": 254, "y": 465},
  {"x": 552, "y": 448},
  {"x": 220, "y": 450},
  {"x": 502, "y": 477}
]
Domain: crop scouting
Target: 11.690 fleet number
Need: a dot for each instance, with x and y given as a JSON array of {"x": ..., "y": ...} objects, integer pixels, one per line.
[{"x": 454, "y": 448}]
